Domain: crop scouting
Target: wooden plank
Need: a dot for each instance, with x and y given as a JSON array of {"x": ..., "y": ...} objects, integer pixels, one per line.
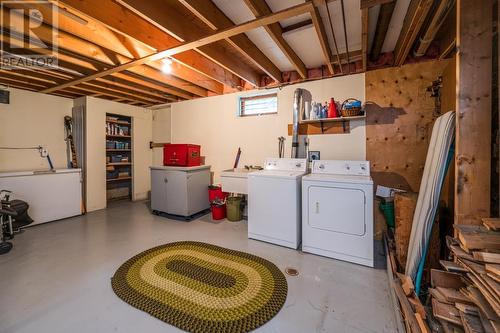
[
  {"x": 481, "y": 302},
  {"x": 404, "y": 208},
  {"x": 260, "y": 8},
  {"x": 185, "y": 46},
  {"x": 492, "y": 223},
  {"x": 446, "y": 279},
  {"x": 323, "y": 128},
  {"x": 437, "y": 295},
  {"x": 323, "y": 39},
  {"x": 453, "y": 295},
  {"x": 414, "y": 19},
  {"x": 422, "y": 324},
  {"x": 215, "y": 18},
  {"x": 493, "y": 258},
  {"x": 451, "y": 266},
  {"x": 406, "y": 284},
  {"x": 406, "y": 308},
  {"x": 473, "y": 131},
  {"x": 472, "y": 323},
  {"x": 493, "y": 269},
  {"x": 383, "y": 21},
  {"x": 467, "y": 308},
  {"x": 118, "y": 18},
  {"x": 297, "y": 26},
  {"x": 477, "y": 237},
  {"x": 446, "y": 312}
]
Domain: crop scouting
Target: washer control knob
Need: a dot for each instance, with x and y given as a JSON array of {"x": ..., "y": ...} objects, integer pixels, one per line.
[
  {"x": 298, "y": 165},
  {"x": 348, "y": 167},
  {"x": 321, "y": 166}
]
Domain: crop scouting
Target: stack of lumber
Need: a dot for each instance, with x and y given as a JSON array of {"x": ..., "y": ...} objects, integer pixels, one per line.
[{"x": 466, "y": 294}]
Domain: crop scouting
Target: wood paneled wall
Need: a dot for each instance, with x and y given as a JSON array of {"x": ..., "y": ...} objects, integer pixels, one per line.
[{"x": 400, "y": 116}]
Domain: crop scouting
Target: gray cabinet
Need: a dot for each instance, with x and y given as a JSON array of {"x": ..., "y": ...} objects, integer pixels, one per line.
[{"x": 180, "y": 191}]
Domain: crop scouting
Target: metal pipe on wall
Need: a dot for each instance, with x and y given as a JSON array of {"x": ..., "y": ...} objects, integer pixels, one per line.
[{"x": 297, "y": 105}]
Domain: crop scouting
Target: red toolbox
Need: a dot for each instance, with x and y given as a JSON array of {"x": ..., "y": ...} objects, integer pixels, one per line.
[{"x": 181, "y": 155}]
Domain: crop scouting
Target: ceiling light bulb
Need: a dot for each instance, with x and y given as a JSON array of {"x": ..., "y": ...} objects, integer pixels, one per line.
[{"x": 166, "y": 65}]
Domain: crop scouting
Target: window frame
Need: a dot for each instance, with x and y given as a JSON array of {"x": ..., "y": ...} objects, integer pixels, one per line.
[{"x": 242, "y": 99}]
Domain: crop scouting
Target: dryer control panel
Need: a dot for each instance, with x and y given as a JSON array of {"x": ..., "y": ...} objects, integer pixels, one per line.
[
  {"x": 338, "y": 167},
  {"x": 286, "y": 164}
]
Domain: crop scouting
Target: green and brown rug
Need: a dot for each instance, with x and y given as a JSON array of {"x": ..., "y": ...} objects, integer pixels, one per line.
[{"x": 200, "y": 287}]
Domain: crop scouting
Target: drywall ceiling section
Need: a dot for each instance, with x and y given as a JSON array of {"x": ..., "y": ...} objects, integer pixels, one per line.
[
  {"x": 398, "y": 17},
  {"x": 265, "y": 43},
  {"x": 306, "y": 44},
  {"x": 239, "y": 13}
]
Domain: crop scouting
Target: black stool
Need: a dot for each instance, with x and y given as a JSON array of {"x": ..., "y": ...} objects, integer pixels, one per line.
[{"x": 8, "y": 213}]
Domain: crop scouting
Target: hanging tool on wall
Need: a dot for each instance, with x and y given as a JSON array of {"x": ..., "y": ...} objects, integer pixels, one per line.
[
  {"x": 70, "y": 144},
  {"x": 281, "y": 147}
]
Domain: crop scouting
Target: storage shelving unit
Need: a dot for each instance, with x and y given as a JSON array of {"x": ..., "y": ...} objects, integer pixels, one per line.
[{"x": 118, "y": 157}]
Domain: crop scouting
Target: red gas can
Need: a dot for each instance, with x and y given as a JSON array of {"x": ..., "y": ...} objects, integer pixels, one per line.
[{"x": 181, "y": 155}]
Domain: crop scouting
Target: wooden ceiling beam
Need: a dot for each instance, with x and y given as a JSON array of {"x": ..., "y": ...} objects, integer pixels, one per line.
[
  {"x": 383, "y": 21},
  {"x": 364, "y": 36},
  {"x": 122, "y": 20},
  {"x": 98, "y": 53},
  {"x": 372, "y": 3},
  {"x": 216, "y": 36},
  {"x": 172, "y": 17},
  {"x": 87, "y": 67},
  {"x": 323, "y": 38},
  {"x": 260, "y": 8},
  {"x": 215, "y": 18},
  {"x": 297, "y": 26},
  {"x": 414, "y": 19}
]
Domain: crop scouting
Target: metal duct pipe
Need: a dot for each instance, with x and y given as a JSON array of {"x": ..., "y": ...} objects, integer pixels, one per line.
[
  {"x": 441, "y": 11},
  {"x": 297, "y": 105}
]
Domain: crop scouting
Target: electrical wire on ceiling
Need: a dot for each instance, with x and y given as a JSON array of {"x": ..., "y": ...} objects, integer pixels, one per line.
[{"x": 334, "y": 38}]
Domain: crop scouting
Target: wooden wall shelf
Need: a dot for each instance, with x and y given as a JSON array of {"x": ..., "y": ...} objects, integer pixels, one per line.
[{"x": 341, "y": 125}]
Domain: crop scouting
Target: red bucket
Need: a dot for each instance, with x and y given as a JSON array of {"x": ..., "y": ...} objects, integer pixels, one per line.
[
  {"x": 215, "y": 192},
  {"x": 219, "y": 212}
]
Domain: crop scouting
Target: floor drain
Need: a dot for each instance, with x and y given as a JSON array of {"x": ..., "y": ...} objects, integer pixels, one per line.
[{"x": 291, "y": 271}]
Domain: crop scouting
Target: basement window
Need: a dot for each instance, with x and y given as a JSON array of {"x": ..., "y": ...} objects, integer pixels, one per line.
[{"x": 258, "y": 105}]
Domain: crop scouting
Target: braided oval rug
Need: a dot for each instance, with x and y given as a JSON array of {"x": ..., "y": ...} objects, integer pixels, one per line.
[{"x": 202, "y": 288}]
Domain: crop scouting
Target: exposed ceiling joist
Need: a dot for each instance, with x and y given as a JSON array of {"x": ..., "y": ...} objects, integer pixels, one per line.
[
  {"x": 364, "y": 37},
  {"x": 323, "y": 39},
  {"x": 297, "y": 26},
  {"x": 160, "y": 13},
  {"x": 122, "y": 20},
  {"x": 209, "y": 13},
  {"x": 94, "y": 53},
  {"x": 372, "y": 3},
  {"x": 182, "y": 47},
  {"x": 260, "y": 8},
  {"x": 383, "y": 21},
  {"x": 414, "y": 19}
]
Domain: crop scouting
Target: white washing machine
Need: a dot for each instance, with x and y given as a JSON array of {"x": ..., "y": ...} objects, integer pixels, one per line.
[
  {"x": 337, "y": 211},
  {"x": 274, "y": 201}
]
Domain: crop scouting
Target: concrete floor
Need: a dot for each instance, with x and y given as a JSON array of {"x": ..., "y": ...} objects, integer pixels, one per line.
[{"x": 57, "y": 277}]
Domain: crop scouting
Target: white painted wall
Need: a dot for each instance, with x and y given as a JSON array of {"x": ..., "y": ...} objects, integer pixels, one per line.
[
  {"x": 33, "y": 119},
  {"x": 96, "y": 110},
  {"x": 161, "y": 132},
  {"x": 213, "y": 123}
]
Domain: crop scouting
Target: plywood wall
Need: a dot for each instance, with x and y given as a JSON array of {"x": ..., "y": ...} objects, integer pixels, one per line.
[{"x": 400, "y": 116}]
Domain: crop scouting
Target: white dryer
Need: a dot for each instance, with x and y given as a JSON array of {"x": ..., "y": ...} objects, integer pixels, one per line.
[
  {"x": 274, "y": 201},
  {"x": 337, "y": 211}
]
